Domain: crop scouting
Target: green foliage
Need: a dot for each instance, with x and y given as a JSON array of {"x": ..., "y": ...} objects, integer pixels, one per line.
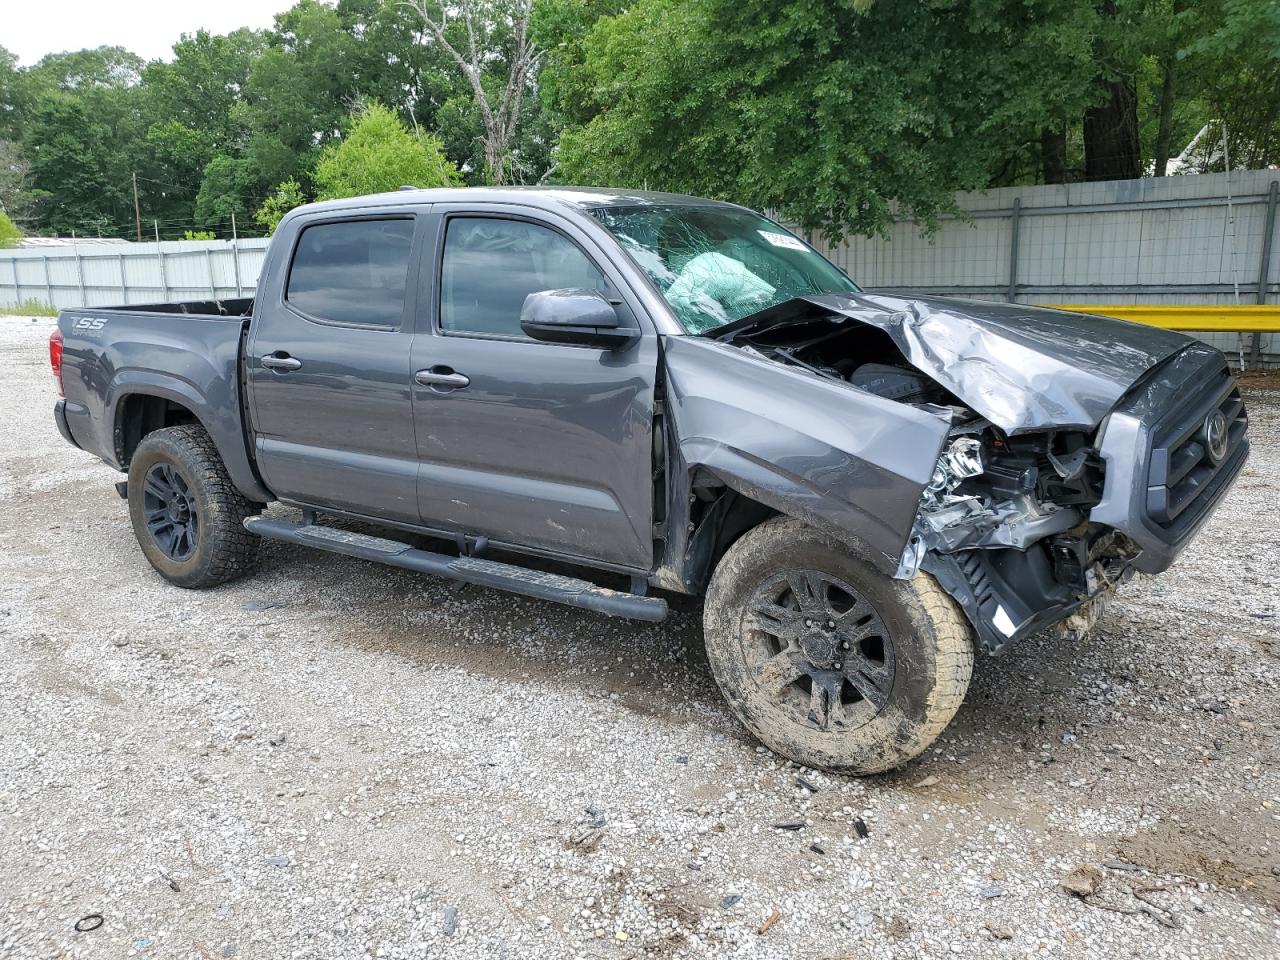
[
  {"x": 227, "y": 186},
  {"x": 1233, "y": 50},
  {"x": 841, "y": 117},
  {"x": 816, "y": 110},
  {"x": 377, "y": 155},
  {"x": 28, "y": 308},
  {"x": 285, "y": 197},
  {"x": 199, "y": 235},
  {"x": 10, "y": 235},
  {"x": 840, "y": 114}
]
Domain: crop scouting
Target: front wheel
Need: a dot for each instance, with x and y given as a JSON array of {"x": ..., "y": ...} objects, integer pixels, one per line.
[
  {"x": 186, "y": 513},
  {"x": 829, "y": 662}
]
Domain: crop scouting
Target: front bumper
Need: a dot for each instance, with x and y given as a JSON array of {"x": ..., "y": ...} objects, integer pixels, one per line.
[{"x": 1164, "y": 476}]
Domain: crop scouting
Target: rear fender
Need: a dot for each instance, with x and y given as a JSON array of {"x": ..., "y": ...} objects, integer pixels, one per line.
[{"x": 220, "y": 419}]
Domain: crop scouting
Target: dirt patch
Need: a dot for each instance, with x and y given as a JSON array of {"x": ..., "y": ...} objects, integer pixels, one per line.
[
  {"x": 1259, "y": 379},
  {"x": 1236, "y": 849}
]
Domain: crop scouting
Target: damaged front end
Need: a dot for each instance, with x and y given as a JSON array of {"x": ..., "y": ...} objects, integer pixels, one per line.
[
  {"x": 1004, "y": 526},
  {"x": 1078, "y": 450}
]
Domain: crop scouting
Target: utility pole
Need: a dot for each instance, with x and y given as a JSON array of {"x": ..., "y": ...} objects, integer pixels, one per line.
[{"x": 137, "y": 211}]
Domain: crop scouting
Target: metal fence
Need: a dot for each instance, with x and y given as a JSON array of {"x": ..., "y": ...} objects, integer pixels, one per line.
[
  {"x": 100, "y": 274},
  {"x": 1207, "y": 239}
]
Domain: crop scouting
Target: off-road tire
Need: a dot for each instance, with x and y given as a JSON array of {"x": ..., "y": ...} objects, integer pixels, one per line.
[
  {"x": 224, "y": 549},
  {"x": 931, "y": 650}
]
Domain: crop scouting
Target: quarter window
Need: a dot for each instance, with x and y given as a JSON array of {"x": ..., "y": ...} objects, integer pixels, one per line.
[
  {"x": 491, "y": 266},
  {"x": 353, "y": 272}
]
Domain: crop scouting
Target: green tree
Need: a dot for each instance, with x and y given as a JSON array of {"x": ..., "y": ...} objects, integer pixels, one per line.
[
  {"x": 1235, "y": 53},
  {"x": 378, "y": 154},
  {"x": 842, "y": 115},
  {"x": 75, "y": 159},
  {"x": 492, "y": 47},
  {"x": 283, "y": 199},
  {"x": 193, "y": 113},
  {"x": 228, "y": 186},
  {"x": 10, "y": 235},
  {"x": 10, "y": 97},
  {"x": 83, "y": 135}
]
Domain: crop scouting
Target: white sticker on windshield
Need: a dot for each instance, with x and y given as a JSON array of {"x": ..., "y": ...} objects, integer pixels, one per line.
[{"x": 782, "y": 240}]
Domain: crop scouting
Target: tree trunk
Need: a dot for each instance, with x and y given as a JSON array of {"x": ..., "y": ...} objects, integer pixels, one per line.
[
  {"x": 1053, "y": 155},
  {"x": 1164, "y": 131},
  {"x": 1111, "y": 149}
]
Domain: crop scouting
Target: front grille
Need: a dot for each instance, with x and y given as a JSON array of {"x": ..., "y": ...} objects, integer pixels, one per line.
[{"x": 1182, "y": 465}]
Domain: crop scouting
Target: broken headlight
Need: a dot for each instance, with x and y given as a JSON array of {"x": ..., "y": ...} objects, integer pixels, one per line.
[{"x": 961, "y": 459}]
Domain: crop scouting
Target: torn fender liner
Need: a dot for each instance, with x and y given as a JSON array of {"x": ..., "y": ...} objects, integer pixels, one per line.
[
  {"x": 847, "y": 462},
  {"x": 1023, "y": 368}
]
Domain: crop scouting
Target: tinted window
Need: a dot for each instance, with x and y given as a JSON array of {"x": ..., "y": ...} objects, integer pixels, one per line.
[
  {"x": 490, "y": 266},
  {"x": 353, "y": 272}
]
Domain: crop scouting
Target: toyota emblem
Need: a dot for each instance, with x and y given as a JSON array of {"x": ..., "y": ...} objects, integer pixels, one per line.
[{"x": 1215, "y": 435}]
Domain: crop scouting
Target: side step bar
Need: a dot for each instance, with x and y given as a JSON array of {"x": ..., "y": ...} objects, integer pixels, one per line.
[{"x": 484, "y": 573}]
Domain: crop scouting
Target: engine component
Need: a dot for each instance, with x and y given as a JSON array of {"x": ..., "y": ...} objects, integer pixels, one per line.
[{"x": 890, "y": 382}]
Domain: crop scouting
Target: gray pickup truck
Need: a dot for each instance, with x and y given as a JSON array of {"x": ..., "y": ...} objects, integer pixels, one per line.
[{"x": 664, "y": 394}]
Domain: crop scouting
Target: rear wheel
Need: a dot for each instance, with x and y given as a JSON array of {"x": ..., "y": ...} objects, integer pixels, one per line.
[
  {"x": 827, "y": 660},
  {"x": 186, "y": 513}
]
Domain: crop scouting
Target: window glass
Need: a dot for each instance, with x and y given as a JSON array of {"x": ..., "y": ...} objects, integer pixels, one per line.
[
  {"x": 491, "y": 266},
  {"x": 715, "y": 265},
  {"x": 352, "y": 272}
]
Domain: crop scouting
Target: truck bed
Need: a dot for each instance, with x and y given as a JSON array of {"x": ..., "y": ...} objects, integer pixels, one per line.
[
  {"x": 140, "y": 365},
  {"x": 235, "y": 308}
]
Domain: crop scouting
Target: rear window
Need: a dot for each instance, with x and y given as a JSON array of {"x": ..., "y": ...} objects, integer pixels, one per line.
[{"x": 354, "y": 272}]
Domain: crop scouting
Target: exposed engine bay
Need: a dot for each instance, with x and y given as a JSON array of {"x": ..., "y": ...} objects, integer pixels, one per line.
[{"x": 1003, "y": 522}]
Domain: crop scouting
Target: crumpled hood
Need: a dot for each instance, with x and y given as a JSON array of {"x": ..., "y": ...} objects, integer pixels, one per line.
[{"x": 1023, "y": 368}]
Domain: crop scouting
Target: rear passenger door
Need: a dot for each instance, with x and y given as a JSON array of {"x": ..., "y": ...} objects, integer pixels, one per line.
[
  {"x": 328, "y": 369},
  {"x": 543, "y": 446}
]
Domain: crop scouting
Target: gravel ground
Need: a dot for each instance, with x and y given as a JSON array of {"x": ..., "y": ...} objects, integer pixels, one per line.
[{"x": 336, "y": 759}]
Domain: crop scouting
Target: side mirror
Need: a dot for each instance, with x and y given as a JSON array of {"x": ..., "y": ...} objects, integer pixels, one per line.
[{"x": 577, "y": 316}]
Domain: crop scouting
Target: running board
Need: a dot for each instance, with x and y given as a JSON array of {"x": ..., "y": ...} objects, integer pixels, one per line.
[{"x": 483, "y": 573}]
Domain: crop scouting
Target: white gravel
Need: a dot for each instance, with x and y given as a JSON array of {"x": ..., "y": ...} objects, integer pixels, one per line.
[{"x": 333, "y": 759}]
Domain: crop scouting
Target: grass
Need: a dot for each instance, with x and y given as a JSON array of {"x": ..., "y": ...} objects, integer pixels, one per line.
[{"x": 28, "y": 308}]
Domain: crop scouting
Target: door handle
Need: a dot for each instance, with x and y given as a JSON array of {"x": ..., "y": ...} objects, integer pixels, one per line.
[
  {"x": 441, "y": 377},
  {"x": 280, "y": 361}
]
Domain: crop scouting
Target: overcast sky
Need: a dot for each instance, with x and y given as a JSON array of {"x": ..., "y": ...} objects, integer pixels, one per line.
[{"x": 32, "y": 28}]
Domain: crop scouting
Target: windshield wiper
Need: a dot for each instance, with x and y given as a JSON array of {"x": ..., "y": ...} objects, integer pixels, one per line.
[{"x": 780, "y": 314}]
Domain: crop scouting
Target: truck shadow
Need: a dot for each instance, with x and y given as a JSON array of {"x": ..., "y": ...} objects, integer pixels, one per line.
[{"x": 653, "y": 669}]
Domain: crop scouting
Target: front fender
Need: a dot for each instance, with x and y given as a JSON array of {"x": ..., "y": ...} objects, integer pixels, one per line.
[{"x": 845, "y": 461}]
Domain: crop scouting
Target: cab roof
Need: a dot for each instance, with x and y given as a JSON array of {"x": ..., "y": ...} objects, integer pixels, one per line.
[{"x": 578, "y": 198}]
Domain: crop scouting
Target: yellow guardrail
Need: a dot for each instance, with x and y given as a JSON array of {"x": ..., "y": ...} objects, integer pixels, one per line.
[{"x": 1218, "y": 318}]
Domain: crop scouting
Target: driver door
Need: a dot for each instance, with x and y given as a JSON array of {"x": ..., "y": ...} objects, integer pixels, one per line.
[{"x": 546, "y": 447}]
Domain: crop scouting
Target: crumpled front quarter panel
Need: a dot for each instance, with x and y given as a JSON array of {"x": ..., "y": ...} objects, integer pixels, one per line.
[
  {"x": 1023, "y": 368},
  {"x": 845, "y": 461}
]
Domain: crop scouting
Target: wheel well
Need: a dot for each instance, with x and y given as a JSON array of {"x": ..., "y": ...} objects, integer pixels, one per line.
[
  {"x": 719, "y": 515},
  {"x": 140, "y": 414}
]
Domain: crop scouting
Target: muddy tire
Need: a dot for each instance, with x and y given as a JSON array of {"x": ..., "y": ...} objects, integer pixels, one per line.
[
  {"x": 186, "y": 513},
  {"x": 828, "y": 661}
]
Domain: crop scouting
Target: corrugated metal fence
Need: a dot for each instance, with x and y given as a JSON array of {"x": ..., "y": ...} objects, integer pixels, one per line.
[
  {"x": 1159, "y": 240},
  {"x": 1207, "y": 239},
  {"x": 99, "y": 274}
]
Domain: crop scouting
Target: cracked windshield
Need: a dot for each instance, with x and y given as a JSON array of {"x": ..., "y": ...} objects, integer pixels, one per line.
[{"x": 716, "y": 265}]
